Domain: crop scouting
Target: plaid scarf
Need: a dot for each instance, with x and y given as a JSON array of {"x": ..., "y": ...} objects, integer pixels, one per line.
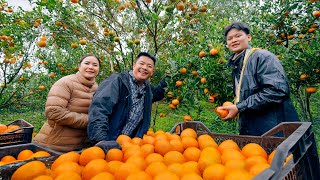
[{"x": 136, "y": 110}]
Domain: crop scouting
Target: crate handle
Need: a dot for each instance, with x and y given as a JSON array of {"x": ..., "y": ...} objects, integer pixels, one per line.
[
  {"x": 288, "y": 145},
  {"x": 287, "y": 128},
  {"x": 195, "y": 125}
]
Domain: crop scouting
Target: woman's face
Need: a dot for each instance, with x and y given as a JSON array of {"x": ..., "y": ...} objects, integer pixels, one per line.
[{"x": 89, "y": 67}]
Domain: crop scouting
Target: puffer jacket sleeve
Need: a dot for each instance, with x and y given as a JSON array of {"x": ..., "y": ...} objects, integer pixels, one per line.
[
  {"x": 273, "y": 84},
  {"x": 56, "y": 106},
  {"x": 105, "y": 98}
]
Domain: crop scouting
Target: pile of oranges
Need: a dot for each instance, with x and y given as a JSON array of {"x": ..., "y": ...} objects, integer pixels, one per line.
[
  {"x": 157, "y": 155},
  {"x": 22, "y": 156},
  {"x": 4, "y": 128}
]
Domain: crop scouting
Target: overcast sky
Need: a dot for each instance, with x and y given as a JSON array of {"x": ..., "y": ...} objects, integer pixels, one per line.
[{"x": 22, "y": 3}]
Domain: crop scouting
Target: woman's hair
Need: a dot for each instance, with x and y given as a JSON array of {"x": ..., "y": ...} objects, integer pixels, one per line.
[
  {"x": 237, "y": 25},
  {"x": 87, "y": 55}
]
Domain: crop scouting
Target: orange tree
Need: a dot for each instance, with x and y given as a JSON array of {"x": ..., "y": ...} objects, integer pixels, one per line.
[
  {"x": 291, "y": 32},
  {"x": 18, "y": 77}
]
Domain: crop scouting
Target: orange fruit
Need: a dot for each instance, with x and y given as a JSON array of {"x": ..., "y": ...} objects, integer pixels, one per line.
[
  {"x": 183, "y": 71},
  {"x": 125, "y": 170},
  {"x": 3, "y": 128},
  {"x": 141, "y": 175},
  {"x": 69, "y": 156},
  {"x": 203, "y": 80},
  {"x": 67, "y": 166},
  {"x": 176, "y": 145},
  {"x": 208, "y": 156},
  {"x": 189, "y": 142},
  {"x": 114, "y": 166},
  {"x": 166, "y": 175},
  {"x": 173, "y": 157},
  {"x": 161, "y": 137},
  {"x": 162, "y": 147},
  {"x": 114, "y": 155},
  {"x": 136, "y": 140},
  {"x": 90, "y": 154},
  {"x": 180, "y": 6},
  {"x": 147, "y": 139},
  {"x": 190, "y": 167},
  {"x": 213, "y": 52},
  {"x": 202, "y": 54},
  {"x": 30, "y": 170},
  {"x": 122, "y": 138},
  {"x": 231, "y": 154},
  {"x": 227, "y": 103},
  {"x": 103, "y": 176},
  {"x": 311, "y": 89},
  {"x": 235, "y": 164},
  {"x": 42, "y": 43},
  {"x": 147, "y": 149},
  {"x": 214, "y": 171},
  {"x": 175, "y": 102},
  {"x": 155, "y": 168},
  {"x": 70, "y": 175},
  {"x": 187, "y": 118},
  {"x": 228, "y": 144},
  {"x": 238, "y": 175},
  {"x": 138, "y": 161},
  {"x": 40, "y": 154},
  {"x": 258, "y": 168},
  {"x": 176, "y": 168},
  {"x": 221, "y": 112},
  {"x": 252, "y": 160},
  {"x": 191, "y": 176},
  {"x": 188, "y": 132},
  {"x": 206, "y": 140},
  {"x": 179, "y": 83},
  {"x": 8, "y": 159},
  {"x": 270, "y": 157},
  {"x": 93, "y": 168},
  {"x": 24, "y": 154},
  {"x": 192, "y": 154},
  {"x": 153, "y": 157},
  {"x": 253, "y": 149},
  {"x": 132, "y": 151},
  {"x": 43, "y": 177}
]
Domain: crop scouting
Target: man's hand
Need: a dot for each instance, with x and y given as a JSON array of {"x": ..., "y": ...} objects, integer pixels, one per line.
[
  {"x": 107, "y": 145},
  {"x": 233, "y": 111}
]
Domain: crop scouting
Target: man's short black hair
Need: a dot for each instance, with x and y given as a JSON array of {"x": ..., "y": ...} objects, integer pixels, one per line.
[
  {"x": 237, "y": 25},
  {"x": 148, "y": 55}
]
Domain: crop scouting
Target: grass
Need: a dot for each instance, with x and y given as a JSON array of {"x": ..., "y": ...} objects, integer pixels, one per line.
[{"x": 207, "y": 116}]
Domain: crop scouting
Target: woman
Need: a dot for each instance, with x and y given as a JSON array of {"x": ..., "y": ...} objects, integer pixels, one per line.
[{"x": 67, "y": 108}]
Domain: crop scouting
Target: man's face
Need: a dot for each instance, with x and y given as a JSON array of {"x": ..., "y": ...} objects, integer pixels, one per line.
[
  {"x": 143, "y": 68},
  {"x": 237, "y": 40}
]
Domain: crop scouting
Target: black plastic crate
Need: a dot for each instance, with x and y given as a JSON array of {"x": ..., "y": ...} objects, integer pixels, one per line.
[
  {"x": 6, "y": 171},
  {"x": 18, "y": 136},
  {"x": 297, "y": 139}
]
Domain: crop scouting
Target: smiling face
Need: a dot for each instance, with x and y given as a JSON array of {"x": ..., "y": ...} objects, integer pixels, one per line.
[
  {"x": 143, "y": 68},
  {"x": 89, "y": 67},
  {"x": 237, "y": 40}
]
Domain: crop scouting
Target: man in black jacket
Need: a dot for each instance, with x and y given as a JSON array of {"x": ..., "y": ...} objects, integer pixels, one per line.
[
  {"x": 262, "y": 94},
  {"x": 122, "y": 103}
]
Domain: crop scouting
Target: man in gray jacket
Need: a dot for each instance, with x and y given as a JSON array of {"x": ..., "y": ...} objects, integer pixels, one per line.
[{"x": 262, "y": 94}]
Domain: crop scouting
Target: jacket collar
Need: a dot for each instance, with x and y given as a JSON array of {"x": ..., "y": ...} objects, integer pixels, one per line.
[
  {"x": 83, "y": 80},
  {"x": 234, "y": 60}
]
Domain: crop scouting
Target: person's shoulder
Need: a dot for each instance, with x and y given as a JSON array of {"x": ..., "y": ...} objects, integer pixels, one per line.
[{"x": 263, "y": 52}]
